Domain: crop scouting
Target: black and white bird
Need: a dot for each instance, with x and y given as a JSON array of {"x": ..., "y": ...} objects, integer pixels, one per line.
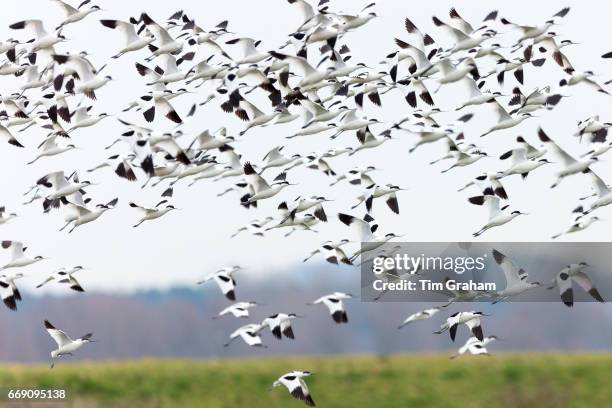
[
  {"x": 65, "y": 345},
  {"x": 470, "y": 319},
  {"x": 332, "y": 251},
  {"x": 334, "y": 302},
  {"x": 42, "y": 39},
  {"x": 132, "y": 41},
  {"x": 74, "y": 15},
  {"x": 84, "y": 215},
  {"x": 280, "y": 325},
  {"x": 365, "y": 233},
  {"x": 225, "y": 280},
  {"x": 294, "y": 382},
  {"x": 574, "y": 273},
  {"x": 260, "y": 188},
  {"x": 602, "y": 190},
  {"x": 165, "y": 43},
  {"x": 18, "y": 256},
  {"x": 421, "y": 315},
  {"x": 240, "y": 309},
  {"x": 374, "y": 191},
  {"x": 498, "y": 216},
  {"x": 505, "y": 120},
  {"x": 475, "y": 347},
  {"x": 59, "y": 187},
  {"x": 516, "y": 278},
  {"x": 579, "y": 223},
  {"x": 120, "y": 164},
  {"x": 49, "y": 147},
  {"x": 153, "y": 213},
  {"x": 487, "y": 180},
  {"x": 249, "y": 334},
  {"x": 64, "y": 276},
  {"x": 571, "y": 166},
  {"x": 520, "y": 164},
  {"x": 254, "y": 227}
]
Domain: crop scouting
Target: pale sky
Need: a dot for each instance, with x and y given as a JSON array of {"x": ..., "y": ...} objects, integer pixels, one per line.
[{"x": 183, "y": 246}]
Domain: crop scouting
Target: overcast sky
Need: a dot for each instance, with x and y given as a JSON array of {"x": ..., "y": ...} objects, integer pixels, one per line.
[{"x": 183, "y": 246}]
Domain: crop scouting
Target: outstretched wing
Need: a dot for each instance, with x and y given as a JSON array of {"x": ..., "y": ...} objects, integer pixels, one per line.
[{"x": 57, "y": 335}]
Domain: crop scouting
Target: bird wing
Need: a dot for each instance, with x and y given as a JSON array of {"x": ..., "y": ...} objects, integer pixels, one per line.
[
  {"x": 81, "y": 114},
  {"x": 170, "y": 146},
  {"x": 126, "y": 29},
  {"x": 57, "y": 335},
  {"x": 415, "y": 53},
  {"x": 239, "y": 312},
  {"x": 225, "y": 282},
  {"x": 477, "y": 348},
  {"x": 315, "y": 108},
  {"x": 564, "y": 283},
  {"x": 519, "y": 155},
  {"x": 250, "y": 108},
  {"x": 79, "y": 209},
  {"x": 7, "y": 136},
  {"x": 493, "y": 205},
  {"x": 75, "y": 285},
  {"x": 247, "y": 44},
  {"x": 502, "y": 114},
  {"x": 16, "y": 248},
  {"x": 305, "y": 8},
  {"x": 457, "y": 34},
  {"x": 256, "y": 182},
  {"x": 83, "y": 67},
  {"x": 167, "y": 109},
  {"x": 160, "y": 34},
  {"x": 35, "y": 25},
  {"x": 300, "y": 63},
  {"x": 360, "y": 227},
  {"x": 474, "y": 325},
  {"x": 334, "y": 305},
  {"x": 49, "y": 279},
  {"x": 170, "y": 64},
  {"x": 460, "y": 22},
  {"x": 600, "y": 186},
  {"x": 513, "y": 274},
  {"x": 68, "y": 9},
  {"x": 274, "y": 154},
  {"x": 250, "y": 337},
  {"x": 562, "y": 154},
  {"x": 48, "y": 143},
  {"x": 584, "y": 280}
]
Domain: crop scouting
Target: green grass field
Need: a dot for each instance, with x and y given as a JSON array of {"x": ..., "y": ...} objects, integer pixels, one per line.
[{"x": 525, "y": 380}]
